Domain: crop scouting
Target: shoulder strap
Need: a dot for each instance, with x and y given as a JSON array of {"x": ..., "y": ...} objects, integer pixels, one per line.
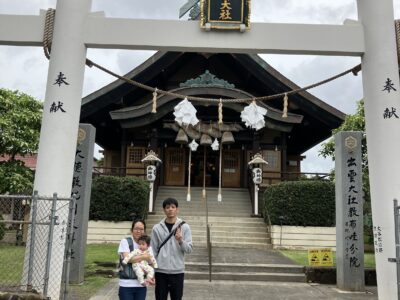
[
  {"x": 130, "y": 243},
  {"x": 170, "y": 235}
]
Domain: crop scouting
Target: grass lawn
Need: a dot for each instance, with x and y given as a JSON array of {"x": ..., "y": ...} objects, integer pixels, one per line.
[
  {"x": 301, "y": 257},
  {"x": 11, "y": 264},
  {"x": 100, "y": 263},
  {"x": 99, "y": 266}
]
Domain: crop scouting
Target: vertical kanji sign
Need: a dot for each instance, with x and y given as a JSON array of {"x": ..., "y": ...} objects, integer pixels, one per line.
[{"x": 349, "y": 211}]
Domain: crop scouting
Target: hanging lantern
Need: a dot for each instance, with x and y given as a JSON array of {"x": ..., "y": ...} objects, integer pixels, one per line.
[
  {"x": 193, "y": 145},
  {"x": 215, "y": 145},
  {"x": 205, "y": 140},
  {"x": 253, "y": 116},
  {"x": 227, "y": 138},
  {"x": 181, "y": 138},
  {"x": 185, "y": 113}
]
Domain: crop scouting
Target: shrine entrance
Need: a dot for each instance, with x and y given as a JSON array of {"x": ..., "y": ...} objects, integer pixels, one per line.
[
  {"x": 230, "y": 170},
  {"x": 175, "y": 166}
]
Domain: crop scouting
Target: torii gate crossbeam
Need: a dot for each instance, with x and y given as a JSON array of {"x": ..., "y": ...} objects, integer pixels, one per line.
[
  {"x": 113, "y": 33},
  {"x": 373, "y": 38}
]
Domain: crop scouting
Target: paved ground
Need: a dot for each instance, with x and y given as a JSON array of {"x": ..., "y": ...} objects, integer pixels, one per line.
[
  {"x": 232, "y": 290},
  {"x": 237, "y": 255},
  {"x": 245, "y": 290}
]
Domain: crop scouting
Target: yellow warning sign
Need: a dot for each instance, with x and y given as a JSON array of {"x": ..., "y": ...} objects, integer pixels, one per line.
[
  {"x": 320, "y": 257},
  {"x": 313, "y": 257}
]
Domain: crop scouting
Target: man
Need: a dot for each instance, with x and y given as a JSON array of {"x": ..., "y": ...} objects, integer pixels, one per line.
[{"x": 170, "y": 255}]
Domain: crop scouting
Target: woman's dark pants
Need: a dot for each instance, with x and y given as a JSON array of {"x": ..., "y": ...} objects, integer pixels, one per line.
[{"x": 132, "y": 293}]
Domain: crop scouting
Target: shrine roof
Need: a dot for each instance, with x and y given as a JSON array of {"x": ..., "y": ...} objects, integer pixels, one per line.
[{"x": 224, "y": 75}]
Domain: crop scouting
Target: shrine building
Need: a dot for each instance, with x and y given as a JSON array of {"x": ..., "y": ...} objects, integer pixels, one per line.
[{"x": 127, "y": 129}]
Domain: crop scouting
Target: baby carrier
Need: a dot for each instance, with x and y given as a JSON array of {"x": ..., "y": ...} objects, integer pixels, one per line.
[{"x": 126, "y": 271}]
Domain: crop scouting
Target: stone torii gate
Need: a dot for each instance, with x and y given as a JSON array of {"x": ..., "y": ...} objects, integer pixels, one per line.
[{"x": 76, "y": 29}]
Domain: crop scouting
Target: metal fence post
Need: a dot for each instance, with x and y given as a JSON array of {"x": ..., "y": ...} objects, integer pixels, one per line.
[
  {"x": 396, "y": 232},
  {"x": 49, "y": 244},
  {"x": 70, "y": 232},
  {"x": 32, "y": 240}
]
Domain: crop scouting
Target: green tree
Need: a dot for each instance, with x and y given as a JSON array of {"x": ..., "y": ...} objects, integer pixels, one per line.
[
  {"x": 20, "y": 119},
  {"x": 355, "y": 122}
]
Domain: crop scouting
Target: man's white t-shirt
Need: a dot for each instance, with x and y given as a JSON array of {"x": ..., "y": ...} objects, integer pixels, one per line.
[{"x": 124, "y": 247}]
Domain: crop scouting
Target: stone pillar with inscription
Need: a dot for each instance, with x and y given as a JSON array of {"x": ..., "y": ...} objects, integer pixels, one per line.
[
  {"x": 380, "y": 74},
  {"x": 81, "y": 187},
  {"x": 349, "y": 212},
  {"x": 58, "y": 135}
]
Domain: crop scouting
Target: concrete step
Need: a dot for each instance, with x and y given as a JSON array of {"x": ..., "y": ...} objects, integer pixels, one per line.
[
  {"x": 244, "y": 268},
  {"x": 235, "y": 239},
  {"x": 211, "y": 219},
  {"x": 253, "y": 276},
  {"x": 237, "y": 244},
  {"x": 230, "y": 221},
  {"x": 234, "y": 199}
]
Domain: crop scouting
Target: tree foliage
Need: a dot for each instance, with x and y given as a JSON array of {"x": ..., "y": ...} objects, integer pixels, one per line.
[
  {"x": 15, "y": 178},
  {"x": 20, "y": 119},
  {"x": 354, "y": 122}
]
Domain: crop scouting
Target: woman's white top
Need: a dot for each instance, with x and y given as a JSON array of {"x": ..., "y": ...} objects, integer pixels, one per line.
[{"x": 124, "y": 247}]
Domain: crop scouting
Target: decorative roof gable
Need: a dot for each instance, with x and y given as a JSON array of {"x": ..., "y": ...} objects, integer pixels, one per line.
[{"x": 207, "y": 79}]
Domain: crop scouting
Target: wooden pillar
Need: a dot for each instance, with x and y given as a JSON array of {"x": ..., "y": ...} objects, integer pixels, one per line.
[
  {"x": 284, "y": 156},
  {"x": 256, "y": 142},
  {"x": 124, "y": 145},
  {"x": 154, "y": 139}
]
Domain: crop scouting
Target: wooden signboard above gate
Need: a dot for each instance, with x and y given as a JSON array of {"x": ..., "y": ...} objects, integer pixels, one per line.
[{"x": 225, "y": 14}]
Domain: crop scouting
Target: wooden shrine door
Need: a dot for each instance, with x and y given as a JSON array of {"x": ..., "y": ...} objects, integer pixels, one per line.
[
  {"x": 230, "y": 168},
  {"x": 175, "y": 166}
]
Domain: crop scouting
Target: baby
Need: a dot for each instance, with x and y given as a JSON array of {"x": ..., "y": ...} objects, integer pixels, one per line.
[{"x": 143, "y": 267}]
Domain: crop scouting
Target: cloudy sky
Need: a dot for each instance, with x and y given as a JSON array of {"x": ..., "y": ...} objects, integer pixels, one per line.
[{"x": 25, "y": 68}]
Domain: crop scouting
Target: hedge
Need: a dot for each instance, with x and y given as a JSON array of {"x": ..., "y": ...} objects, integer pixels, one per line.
[
  {"x": 301, "y": 203},
  {"x": 118, "y": 198}
]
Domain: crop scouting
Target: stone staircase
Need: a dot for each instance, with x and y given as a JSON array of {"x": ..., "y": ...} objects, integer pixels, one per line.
[
  {"x": 241, "y": 245},
  {"x": 230, "y": 222}
]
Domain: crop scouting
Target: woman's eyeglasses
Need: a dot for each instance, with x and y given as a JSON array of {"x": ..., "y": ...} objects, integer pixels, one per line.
[{"x": 138, "y": 229}]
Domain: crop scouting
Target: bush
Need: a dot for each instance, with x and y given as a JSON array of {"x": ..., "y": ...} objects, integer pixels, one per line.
[
  {"x": 301, "y": 203},
  {"x": 2, "y": 228},
  {"x": 15, "y": 178},
  {"x": 118, "y": 198}
]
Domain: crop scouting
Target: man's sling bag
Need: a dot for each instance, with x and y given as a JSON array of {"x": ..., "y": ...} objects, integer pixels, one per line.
[
  {"x": 126, "y": 271},
  {"x": 173, "y": 232}
]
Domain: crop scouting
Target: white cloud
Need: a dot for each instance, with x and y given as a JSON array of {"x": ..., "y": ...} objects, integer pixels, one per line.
[{"x": 25, "y": 68}]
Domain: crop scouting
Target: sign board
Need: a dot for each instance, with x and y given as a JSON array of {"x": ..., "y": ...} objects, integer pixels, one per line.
[
  {"x": 225, "y": 14},
  {"x": 320, "y": 257}
]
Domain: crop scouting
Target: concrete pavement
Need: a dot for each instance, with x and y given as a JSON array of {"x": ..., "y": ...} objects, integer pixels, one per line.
[
  {"x": 246, "y": 288},
  {"x": 232, "y": 290}
]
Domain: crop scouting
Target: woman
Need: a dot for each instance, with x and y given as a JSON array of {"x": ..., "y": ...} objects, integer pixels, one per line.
[{"x": 129, "y": 288}]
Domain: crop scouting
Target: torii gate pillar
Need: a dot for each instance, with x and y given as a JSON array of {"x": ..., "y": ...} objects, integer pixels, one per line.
[
  {"x": 381, "y": 95},
  {"x": 60, "y": 123}
]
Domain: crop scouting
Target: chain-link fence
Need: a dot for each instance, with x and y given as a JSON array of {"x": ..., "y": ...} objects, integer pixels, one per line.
[{"x": 36, "y": 266}]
